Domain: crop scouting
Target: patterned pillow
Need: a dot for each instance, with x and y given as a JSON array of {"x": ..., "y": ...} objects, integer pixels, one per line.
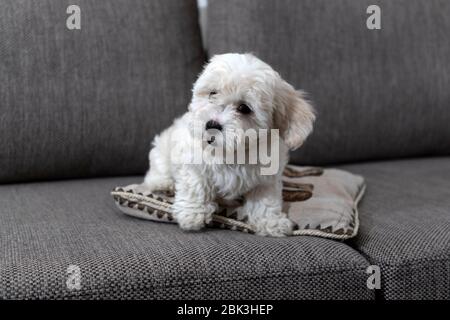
[{"x": 321, "y": 202}]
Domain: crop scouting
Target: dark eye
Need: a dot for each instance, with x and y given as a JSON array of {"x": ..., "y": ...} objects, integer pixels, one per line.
[
  {"x": 244, "y": 109},
  {"x": 212, "y": 93}
]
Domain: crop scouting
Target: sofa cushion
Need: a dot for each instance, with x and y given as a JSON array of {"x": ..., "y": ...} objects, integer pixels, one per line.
[
  {"x": 379, "y": 93},
  {"x": 49, "y": 230},
  {"x": 88, "y": 102},
  {"x": 405, "y": 226}
]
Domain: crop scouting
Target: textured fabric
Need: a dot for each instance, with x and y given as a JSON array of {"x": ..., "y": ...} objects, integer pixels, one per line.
[
  {"x": 45, "y": 227},
  {"x": 378, "y": 93},
  {"x": 87, "y": 102},
  {"x": 322, "y": 203},
  {"x": 405, "y": 226}
]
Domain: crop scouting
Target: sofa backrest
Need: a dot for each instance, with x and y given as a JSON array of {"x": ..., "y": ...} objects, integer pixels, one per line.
[
  {"x": 379, "y": 93},
  {"x": 88, "y": 102}
]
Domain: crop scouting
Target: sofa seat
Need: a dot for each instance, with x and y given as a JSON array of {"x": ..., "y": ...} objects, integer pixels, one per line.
[
  {"x": 47, "y": 227},
  {"x": 405, "y": 226}
]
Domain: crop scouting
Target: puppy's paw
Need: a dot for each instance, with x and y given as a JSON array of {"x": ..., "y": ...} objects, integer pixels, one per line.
[
  {"x": 193, "y": 219},
  {"x": 274, "y": 227},
  {"x": 157, "y": 183},
  {"x": 141, "y": 188}
]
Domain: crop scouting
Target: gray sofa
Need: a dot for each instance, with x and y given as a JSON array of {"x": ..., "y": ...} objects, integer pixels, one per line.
[{"x": 78, "y": 109}]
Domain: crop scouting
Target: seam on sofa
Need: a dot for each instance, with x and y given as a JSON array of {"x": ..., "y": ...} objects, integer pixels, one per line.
[
  {"x": 269, "y": 276},
  {"x": 412, "y": 262}
]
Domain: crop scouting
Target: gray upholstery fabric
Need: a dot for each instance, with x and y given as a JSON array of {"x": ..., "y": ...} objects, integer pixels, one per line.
[
  {"x": 405, "y": 226},
  {"x": 87, "y": 102},
  {"x": 45, "y": 227},
  {"x": 379, "y": 93}
]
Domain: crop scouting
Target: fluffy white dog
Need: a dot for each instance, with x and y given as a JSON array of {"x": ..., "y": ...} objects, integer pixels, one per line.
[{"x": 234, "y": 93}]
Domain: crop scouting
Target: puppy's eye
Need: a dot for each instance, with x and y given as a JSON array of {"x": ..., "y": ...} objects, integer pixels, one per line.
[
  {"x": 212, "y": 93},
  {"x": 244, "y": 109}
]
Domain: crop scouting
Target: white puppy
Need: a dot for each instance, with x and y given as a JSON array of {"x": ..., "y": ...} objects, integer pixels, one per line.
[{"x": 234, "y": 93}]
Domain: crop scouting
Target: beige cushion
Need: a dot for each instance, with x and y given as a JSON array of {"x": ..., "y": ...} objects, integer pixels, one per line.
[{"x": 320, "y": 202}]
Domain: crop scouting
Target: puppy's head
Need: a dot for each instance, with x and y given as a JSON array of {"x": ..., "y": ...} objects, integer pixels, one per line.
[{"x": 237, "y": 92}]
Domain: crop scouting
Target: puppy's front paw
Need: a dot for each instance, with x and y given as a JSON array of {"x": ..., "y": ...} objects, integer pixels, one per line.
[
  {"x": 274, "y": 227},
  {"x": 158, "y": 183},
  {"x": 195, "y": 219}
]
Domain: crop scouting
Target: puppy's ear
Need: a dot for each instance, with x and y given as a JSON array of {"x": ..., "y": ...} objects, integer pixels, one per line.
[{"x": 293, "y": 115}]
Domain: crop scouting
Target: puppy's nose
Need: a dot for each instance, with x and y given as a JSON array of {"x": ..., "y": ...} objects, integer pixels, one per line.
[{"x": 211, "y": 124}]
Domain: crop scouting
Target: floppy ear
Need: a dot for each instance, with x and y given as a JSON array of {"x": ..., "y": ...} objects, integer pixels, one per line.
[{"x": 293, "y": 115}]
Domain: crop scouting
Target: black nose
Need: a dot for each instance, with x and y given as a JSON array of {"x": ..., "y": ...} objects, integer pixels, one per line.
[{"x": 211, "y": 124}]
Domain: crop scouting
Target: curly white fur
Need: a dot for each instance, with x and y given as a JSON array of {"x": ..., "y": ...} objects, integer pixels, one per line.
[{"x": 228, "y": 81}]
